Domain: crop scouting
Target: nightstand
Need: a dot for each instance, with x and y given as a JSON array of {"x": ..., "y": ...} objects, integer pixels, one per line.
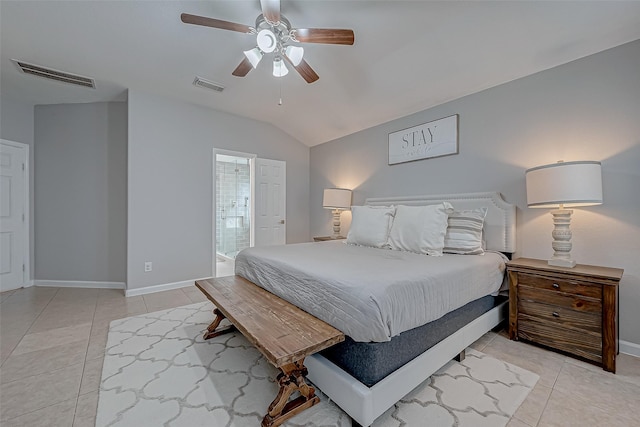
[
  {"x": 574, "y": 310},
  {"x": 325, "y": 238}
]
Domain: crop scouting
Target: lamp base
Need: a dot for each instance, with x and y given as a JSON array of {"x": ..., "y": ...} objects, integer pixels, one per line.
[
  {"x": 561, "y": 239},
  {"x": 336, "y": 223},
  {"x": 569, "y": 263}
]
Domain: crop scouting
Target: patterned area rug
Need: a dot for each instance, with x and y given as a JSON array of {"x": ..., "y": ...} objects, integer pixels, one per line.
[{"x": 158, "y": 371}]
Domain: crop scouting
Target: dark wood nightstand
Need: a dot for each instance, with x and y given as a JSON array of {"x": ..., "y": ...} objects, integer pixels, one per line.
[
  {"x": 574, "y": 310},
  {"x": 325, "y": 238}
]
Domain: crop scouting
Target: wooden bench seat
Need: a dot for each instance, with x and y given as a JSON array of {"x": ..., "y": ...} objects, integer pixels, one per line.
[{"x": 283, "y": 333}]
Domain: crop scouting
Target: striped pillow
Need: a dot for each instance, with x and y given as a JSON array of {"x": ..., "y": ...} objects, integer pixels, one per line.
[{"x": 464, "y": 232}]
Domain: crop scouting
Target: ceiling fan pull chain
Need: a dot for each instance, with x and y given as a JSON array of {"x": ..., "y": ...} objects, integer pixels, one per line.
[{"x": 280, "y": 102}]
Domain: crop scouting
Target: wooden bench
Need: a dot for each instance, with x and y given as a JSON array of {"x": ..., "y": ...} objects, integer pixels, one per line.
[{"x": 283, "y": 333}]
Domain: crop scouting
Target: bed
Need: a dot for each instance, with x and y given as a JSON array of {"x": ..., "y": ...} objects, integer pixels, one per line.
[{"x": 405, "y": 314}]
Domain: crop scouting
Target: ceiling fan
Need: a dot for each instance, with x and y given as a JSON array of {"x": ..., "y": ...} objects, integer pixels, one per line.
[{"x": 274, "y": 34}]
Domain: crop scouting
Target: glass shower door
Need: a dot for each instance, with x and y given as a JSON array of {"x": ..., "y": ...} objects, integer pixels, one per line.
[{"x": 233, "y": 205}]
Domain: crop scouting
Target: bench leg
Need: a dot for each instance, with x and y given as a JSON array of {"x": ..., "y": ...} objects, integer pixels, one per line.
[
  {"x": 290, "y": 380},
  {"x": 211, "y": 329}
]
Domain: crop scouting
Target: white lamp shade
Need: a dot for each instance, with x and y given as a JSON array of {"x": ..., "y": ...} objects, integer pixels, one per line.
[
  {"x": 279, "y": 69},
  {"x": 336, "y": 198},
  {"x": 294, "y": 53},
  {"x": 267, "y": 41},
  {"x": 254, "y": 56},
  {"x": 570, "y": 184}
]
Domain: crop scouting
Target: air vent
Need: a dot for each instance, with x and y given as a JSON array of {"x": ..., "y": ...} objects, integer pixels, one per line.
[
  {"x": 51, "y": 74},
  {"x": 207, "y": 84}
]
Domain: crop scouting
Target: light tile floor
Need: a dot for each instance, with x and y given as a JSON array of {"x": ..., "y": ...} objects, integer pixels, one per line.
[
  {"x": 52, "y": 347},
  {"x": 52, "y": 343},
  {"x": 225, "y": 268}
]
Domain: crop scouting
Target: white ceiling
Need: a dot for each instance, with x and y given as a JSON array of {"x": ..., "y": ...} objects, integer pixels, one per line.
[{"x": 407, "y": 56}]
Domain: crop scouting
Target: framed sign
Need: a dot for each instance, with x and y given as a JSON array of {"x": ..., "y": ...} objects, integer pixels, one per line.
[{"x": 433, "y": 139}]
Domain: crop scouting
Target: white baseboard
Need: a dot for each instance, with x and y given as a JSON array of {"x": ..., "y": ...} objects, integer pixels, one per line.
[
  {"x": 629, "y": 348},
  {"x": 159, "y": 288},
  {"x": 79, "y": 284}
]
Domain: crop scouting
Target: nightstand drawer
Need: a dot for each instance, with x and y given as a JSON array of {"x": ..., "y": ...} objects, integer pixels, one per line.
[
  {"x": 562, "y": 317},
  {"x": 567, "y": 286},
  {"x": 580, "y": 343},
  {"x": 559, "y": 299}
]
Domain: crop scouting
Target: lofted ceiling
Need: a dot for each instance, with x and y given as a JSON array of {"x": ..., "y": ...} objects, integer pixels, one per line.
[{"x": 407, "y": 56}]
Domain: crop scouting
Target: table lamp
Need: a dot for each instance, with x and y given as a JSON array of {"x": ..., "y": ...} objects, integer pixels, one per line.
[
  {"x": 338, "y": 199},
  {"x": 564, "y": 185}
]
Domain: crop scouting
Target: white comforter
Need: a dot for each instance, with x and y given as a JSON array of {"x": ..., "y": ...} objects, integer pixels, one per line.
[{"x": 371, "y": 294}]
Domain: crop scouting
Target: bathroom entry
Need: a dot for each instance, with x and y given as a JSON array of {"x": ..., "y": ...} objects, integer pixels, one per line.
[
  {"x": 249, "y": 206},
  {"x": 233, "y": 207}
]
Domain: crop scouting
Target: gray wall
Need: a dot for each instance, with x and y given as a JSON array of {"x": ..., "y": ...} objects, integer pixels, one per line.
[
  {"x": 16, "y": 124},
  {"x": 587, "y": 109},
  {"x": 16, "y": 120},
  {"x": 170, "y": 187},
  {"x": 80, "y": 192}
]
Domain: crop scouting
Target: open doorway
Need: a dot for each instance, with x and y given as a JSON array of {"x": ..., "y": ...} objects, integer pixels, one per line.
[
  {"x": 249, "y": 206},
  {"x": 233, "y": 208}
]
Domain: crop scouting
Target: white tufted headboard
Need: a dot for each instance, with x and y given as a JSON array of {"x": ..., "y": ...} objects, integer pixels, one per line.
[{"x": 499, "y": 224}]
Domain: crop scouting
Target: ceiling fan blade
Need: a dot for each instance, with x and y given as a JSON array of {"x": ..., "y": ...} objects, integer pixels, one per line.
[
  {"x": 215, "y": 23},
  {"x": 271, "y": 10},
  {"x": 324, "y": 35},
  {"x": 243, "y": 68},
  {"x": 304, "y": 69}
]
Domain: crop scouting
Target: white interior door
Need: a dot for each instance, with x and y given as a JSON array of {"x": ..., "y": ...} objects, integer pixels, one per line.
[
  {"x": 271, "y": 202},
  {"x": 13, "y": 227}
]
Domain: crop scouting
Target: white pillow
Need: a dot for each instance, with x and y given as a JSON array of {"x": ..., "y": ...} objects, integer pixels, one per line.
[
  {"x": 464, "y": 234},
  {"x": 420, "y": 229},
  {"x": 370, "y": 225}
]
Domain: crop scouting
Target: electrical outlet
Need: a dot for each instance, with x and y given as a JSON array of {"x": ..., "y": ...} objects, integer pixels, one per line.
[{"x": 148, "y": 266}]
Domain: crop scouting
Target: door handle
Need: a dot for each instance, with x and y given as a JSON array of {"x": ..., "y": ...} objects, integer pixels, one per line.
[{"x": 282, "y": 221}]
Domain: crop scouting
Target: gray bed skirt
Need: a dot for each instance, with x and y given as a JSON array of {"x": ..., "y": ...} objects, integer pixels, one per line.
[{"x": 370, "y": 362}]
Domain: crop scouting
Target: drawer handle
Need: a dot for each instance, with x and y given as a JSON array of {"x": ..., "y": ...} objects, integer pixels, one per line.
[
  {"x": 555, "y": 314},
  {"x": 556, "y": 286}
]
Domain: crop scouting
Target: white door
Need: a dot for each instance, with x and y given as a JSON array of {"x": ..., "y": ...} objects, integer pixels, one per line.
[
  {"x": 270, "y": 202},
  {"x": 13, "y": 228}
]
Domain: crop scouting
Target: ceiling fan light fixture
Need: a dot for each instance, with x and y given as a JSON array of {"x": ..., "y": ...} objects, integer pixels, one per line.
[
  {"x": 274, "y": 34},
  {"x": 254, "y": 56},
  {"x": 294, "y": 53},
  {"x": 279, "y": 69},
  {"x": 267, "y": 40}
]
